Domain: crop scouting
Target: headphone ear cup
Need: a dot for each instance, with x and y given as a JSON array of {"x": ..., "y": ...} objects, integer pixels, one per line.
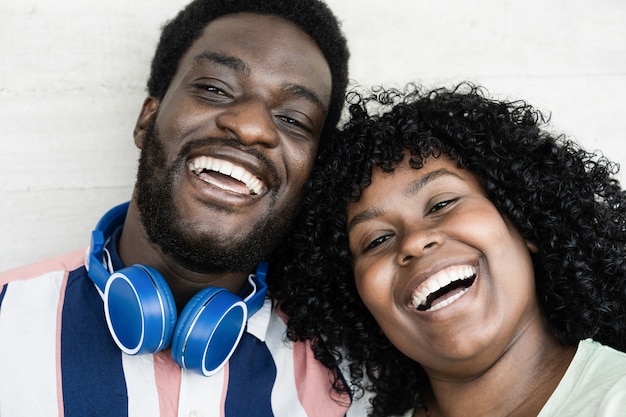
[
  {"x": 208, "y": 330},
  {"x": 139, "y": 309}
]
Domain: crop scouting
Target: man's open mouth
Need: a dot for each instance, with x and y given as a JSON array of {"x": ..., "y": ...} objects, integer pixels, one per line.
[
  {"x": 227, "y": 176},
  {"x": 444, "y": 288}
]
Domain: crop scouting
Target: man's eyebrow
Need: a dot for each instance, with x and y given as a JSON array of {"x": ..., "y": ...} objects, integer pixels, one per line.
[
  {"x": 301, "y": 91},
  {"x": 412, "y": 189},
  {"x": 229, "y": 61}
]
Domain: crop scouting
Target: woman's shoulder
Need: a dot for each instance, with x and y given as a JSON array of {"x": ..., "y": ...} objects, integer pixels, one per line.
[
  {"x": 596, "y": 356},
  {"x": 594, "y": 383}
]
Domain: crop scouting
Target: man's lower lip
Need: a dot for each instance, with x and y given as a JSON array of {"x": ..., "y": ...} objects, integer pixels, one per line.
[
  {"x": 217, "y": 194},
  {"x": 240, "y": 190}
]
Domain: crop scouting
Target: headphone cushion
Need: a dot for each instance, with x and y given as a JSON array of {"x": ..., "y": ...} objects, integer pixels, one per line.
[
  {"x": 169, "y": 305},
  {"x": 140, "y": 309},
  {"x": 208, "y": 330}
]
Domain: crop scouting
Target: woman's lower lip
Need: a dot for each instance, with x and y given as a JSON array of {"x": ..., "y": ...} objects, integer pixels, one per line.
[
  {"x": 450, "y": 305},
  {"x": 442, "y": 302}
]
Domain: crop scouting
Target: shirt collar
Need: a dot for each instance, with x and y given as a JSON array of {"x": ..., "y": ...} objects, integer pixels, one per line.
[{"x": 260, "y": 321}]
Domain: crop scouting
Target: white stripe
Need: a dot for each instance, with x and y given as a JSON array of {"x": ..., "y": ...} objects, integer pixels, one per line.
[
  {"x": 143, "y": 398},
  {"x": 284, "y": 392},
  {"x": 201, "y": 396},
  {"x": 28, "y": 374},
  {"x": 258, "y": 323}
]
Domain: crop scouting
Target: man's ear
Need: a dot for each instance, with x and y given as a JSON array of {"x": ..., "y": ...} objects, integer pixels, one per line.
[
  {"x": 531, "y": 247},
  {"x": 147, "y": 114}
]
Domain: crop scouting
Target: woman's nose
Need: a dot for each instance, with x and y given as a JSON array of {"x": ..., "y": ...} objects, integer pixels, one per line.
[{"x": 417, "y": 243}]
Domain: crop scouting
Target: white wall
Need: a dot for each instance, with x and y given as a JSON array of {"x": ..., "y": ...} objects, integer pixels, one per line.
[{"x": 72, "y": 78}]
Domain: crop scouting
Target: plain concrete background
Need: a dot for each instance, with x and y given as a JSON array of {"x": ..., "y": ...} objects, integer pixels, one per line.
[{"x": 72, "y": 78}]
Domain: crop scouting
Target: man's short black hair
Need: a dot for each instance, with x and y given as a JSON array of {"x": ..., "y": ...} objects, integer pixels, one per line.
[{"x": 311, "y": 16}]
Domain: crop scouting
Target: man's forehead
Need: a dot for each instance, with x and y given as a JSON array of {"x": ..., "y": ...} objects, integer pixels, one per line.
[{"x": 241, "y": 40}]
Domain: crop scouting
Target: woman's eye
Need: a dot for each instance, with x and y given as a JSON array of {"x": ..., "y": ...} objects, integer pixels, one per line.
[
  {"x": 376, "y": 242},
  {"x": 441, "y": 205}
]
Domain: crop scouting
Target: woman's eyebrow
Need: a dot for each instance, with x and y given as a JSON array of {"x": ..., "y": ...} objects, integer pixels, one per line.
[
  {"x": 411, "y": 190},
  {"x": 365, "y": 215},
  {"x": 414, "y": 187}
]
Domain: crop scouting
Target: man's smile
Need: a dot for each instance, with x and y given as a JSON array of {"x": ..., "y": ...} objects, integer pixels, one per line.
[{"x": 227, "y": 176}]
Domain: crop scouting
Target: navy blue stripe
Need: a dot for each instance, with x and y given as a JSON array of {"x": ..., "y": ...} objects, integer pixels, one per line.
[
  {"x": 251, "y": 377},
  {"x": 345, "y": 384},
  {"x": 4, "y": 291},
  {"x": 91, "y": 364}
]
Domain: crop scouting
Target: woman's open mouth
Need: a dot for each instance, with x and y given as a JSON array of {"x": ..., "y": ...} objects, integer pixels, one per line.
[{"x": 443, "y": 288}]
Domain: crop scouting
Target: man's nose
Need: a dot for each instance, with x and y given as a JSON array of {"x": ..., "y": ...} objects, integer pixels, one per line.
[{"x": 251, "y": 121}]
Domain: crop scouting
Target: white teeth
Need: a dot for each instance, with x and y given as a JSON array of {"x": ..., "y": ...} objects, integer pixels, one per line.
[
  {"x": 438, "y": 281},
  {"x": 236, "y": 172},
  {"x": 448, "y": 301}
]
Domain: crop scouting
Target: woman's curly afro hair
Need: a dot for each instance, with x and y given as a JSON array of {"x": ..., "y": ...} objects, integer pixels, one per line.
[
  {"x": 560, "y": 197},
  {"x": 311, "y": 16}
]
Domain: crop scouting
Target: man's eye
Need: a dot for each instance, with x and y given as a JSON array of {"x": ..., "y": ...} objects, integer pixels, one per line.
[
  {"x": 213, "y": 89},
  {"x": 295, "y": 123},
  {"x": 210, "y": 91}
]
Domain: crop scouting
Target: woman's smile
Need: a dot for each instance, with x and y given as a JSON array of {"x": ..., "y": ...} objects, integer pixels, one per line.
[{"x": 443, "y": 288}]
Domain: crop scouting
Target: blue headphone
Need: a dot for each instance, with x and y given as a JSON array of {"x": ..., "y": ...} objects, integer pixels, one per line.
[{"x": 141, "y": 313}]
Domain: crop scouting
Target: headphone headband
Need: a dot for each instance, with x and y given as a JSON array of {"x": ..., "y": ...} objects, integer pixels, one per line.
[{"x": 94, "y": 261}]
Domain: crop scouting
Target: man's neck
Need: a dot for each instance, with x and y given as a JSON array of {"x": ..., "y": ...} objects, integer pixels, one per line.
[{"x": 134, "y": 247}]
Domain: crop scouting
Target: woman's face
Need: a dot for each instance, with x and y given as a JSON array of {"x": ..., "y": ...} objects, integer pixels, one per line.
[{"x": 448, "y": 278}]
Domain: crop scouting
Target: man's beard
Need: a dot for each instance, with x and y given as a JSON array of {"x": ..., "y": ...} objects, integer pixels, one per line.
[{"x": 178, "y": 238}]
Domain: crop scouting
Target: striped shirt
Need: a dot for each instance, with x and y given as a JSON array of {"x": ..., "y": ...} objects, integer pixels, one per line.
[{"x": 57, "y": 358}]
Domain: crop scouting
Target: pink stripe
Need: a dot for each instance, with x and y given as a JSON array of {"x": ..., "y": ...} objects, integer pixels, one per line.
[
  {"x": 58, "y": 345},
  {"x": 224, "y": 390},
  {"x": 167, "y": 375},
  {"x": 67, "y": 262},
  {"x": 314, "y": 384}
]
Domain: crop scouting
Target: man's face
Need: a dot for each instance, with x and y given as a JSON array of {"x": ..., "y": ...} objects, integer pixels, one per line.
[{"x": 226, "y": 153}]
